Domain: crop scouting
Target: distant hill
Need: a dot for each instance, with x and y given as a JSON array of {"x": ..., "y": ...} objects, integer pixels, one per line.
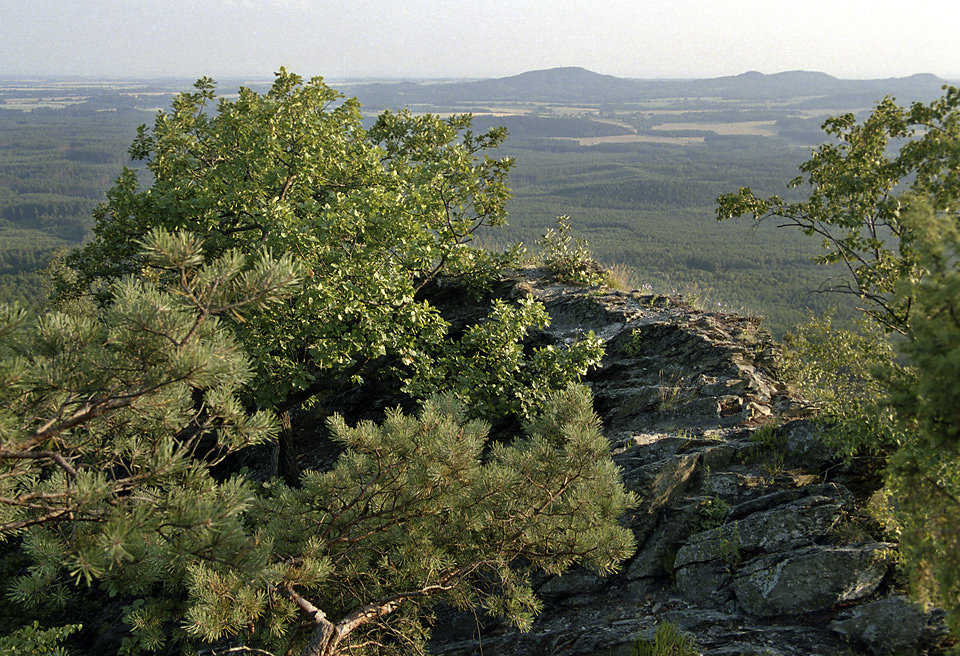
[
  {"x": 753, "y": 85},
  {"x": 794, "y": 84},
  {"x": 558, "y": 84},
  {"x": 574, "y": 84},
  {"x": 571, "y": 84}
]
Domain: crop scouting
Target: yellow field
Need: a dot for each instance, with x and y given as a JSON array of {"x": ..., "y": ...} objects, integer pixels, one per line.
[
  {"x": 29, "y": 104},
  {"x": 754, "y": 128},
  {"x": 637, "y": 138}
]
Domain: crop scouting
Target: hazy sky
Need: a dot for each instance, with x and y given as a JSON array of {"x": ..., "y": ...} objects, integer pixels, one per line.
[{"x": 481, "y": 38}]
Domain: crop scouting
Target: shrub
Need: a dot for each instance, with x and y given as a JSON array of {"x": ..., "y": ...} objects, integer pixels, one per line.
[
  {"x": 668, "y": 641},
  {"x": 570, "y": 260}
]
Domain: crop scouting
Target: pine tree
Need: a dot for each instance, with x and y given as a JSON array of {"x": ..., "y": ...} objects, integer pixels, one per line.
[
  {"x": 115, "y": 412},
  {"x": 114, "y": 418}
]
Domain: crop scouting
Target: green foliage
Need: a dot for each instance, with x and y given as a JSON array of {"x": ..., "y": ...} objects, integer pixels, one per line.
[
  {"x": 768, "y": 448},
  {"x": 730, "y": 546},
  {"x": 711, "y": 513},
  {"x": 415, "y": 504},
  {"x": 371, "y": 214},
  {"x": 139, "y": 361},
  {"x": 668, "y": 641},
  {"x": 891, "y": 218},
  {"x": 835, "y": 365},
  {"x": 112, "y": 419},
  {"x": 769, "y": 437},
  {"x": 635, "y": 348},
  {"x": 115, "y": 412},
  {"x": 858, "y": 192},
  {"x": 925, "y": 474},
  {"x": 146, "y": 627},
  {"x": 489, "y": 371},
  {"x": 570, "y": 260},
  {"x": 845, "y": 372},
  {"x": 30, "y": 640},
  {"x": 934, "y": 352}
]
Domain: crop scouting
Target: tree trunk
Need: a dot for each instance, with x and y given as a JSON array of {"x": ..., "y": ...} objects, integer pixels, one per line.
[
  {"x": 321, "y": 641},
  {"x": 287, "y": 466}
]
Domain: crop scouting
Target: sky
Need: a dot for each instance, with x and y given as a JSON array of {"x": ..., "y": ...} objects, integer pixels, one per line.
[{"x": 344, "y": 39}]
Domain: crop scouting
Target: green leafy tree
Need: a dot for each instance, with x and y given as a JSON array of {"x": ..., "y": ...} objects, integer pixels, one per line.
[
  {"x": 885, "y": 201},
  {"x": 372, "y": 215},
  {"x": 111, "y": 423},
  {"x": 859, "y": 187},
  {"x": 925, "y": 473}
]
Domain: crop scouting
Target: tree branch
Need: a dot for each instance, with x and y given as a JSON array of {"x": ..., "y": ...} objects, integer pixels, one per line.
[
  {"x": 324, "y": 631},
  {"x": 40, "y": 455}
]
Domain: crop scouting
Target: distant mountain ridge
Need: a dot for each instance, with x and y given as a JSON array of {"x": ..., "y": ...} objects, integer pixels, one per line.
[
  {"x": 576, "y": 84},
  {"x": 547, "y": 82}
]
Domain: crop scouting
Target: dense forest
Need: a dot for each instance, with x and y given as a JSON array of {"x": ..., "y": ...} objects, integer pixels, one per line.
[
  {"x": 638, "y": 172},
  {"x": 55, "y": 166}
]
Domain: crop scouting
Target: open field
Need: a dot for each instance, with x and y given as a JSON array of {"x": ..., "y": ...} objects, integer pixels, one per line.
[
  {"x": 638, "y": 177},
  {"x": 755, "y": 128},
  {"x": 640, "y": 138}
]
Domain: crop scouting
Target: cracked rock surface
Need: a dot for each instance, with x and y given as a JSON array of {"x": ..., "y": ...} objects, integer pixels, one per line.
[{"x": 751, "y": 538}]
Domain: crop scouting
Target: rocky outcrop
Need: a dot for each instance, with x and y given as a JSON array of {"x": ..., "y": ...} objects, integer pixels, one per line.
[{"x": 750, "y": 537}]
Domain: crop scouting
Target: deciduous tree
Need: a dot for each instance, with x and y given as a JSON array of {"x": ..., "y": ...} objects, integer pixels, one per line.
[
  {"x": 858, "y": 190},
  {"x": 885, "y": 201},
  {"x": 372, "y": 215}
]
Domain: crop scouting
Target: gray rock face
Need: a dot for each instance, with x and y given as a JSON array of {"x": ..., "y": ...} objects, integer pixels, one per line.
[
  {"x": 748, "y": 538},
  {"x": 779, "y": 529},
  {"x": 886, "y": 626},
  {"x": 810, "y": 579},
  {"x": 572, "y": 584}
]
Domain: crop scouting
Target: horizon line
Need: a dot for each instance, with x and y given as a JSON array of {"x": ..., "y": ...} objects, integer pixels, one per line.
[{"x": 346, "y": 78}]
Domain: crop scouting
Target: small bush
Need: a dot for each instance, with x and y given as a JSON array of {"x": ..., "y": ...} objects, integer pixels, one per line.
[
  {"x": 492, "y": 373},
  {"x": 32, "y": 639},
  {"x": 711, "y": 513},
  {"x": 635, "y": 348},
  {"x": 668, "y": 641},
  {"x": 846, "y": 372},
  {"x": 570, "y": 260}
]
